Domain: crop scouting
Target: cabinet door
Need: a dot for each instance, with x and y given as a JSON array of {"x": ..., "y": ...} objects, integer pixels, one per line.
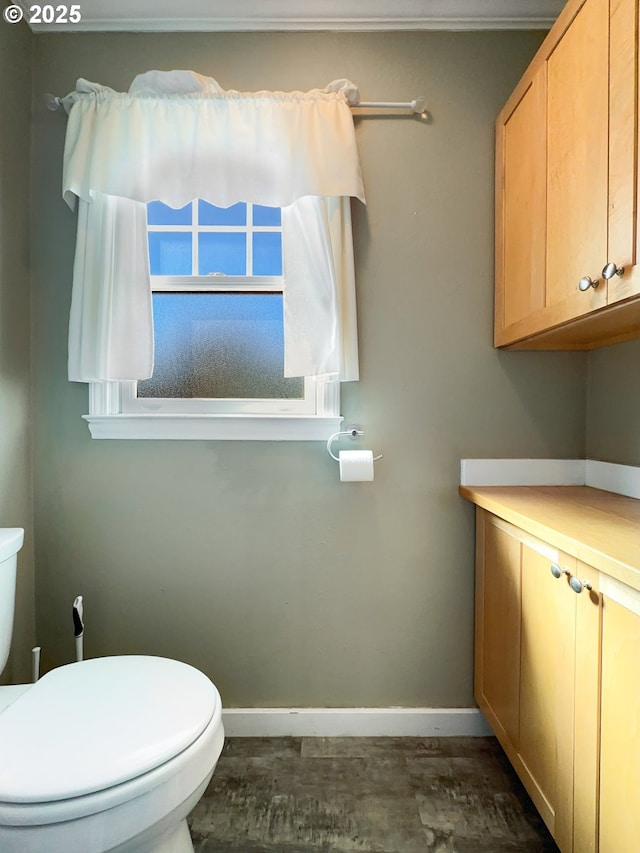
[
  {"x": 620, "y": 728},
  {"x": 587, "y": 713},
  {"x": 547, "y": 666},
  {"x": 624, "y": 216},
  {"x": 577, "y": 163},
  {"x": 520, "y": 213},
  {"x": 497, "y": 669}
]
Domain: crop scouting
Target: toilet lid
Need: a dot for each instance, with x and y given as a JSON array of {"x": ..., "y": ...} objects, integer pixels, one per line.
[{"x": 88, "y": 726}]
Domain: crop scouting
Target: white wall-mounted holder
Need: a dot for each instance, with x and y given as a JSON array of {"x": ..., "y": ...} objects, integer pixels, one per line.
[{"x": 356, "y": 466}]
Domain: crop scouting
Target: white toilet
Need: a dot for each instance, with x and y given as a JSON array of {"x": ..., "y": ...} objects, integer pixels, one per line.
[{"x": 109, "y": 754}]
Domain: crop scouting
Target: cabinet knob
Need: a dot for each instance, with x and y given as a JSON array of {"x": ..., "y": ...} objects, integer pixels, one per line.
[
  {"x": 557, "y": 572},
  {"x": 610, "y": 270},
  {"x": 577, "y": 585},
  {"x": 586, "y": 282}
]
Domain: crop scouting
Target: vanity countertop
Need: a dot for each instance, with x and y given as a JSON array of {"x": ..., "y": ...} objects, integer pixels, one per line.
[{"x": 600, "y": 528}]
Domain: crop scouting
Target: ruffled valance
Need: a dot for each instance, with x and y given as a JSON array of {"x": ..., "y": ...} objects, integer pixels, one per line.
[{"x": 167, "y": 139}]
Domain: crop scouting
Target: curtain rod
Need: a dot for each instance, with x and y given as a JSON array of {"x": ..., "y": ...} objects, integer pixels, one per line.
[{"x": 417, "y": 105}]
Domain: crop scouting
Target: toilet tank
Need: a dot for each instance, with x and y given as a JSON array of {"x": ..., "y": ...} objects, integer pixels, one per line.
[{"x": 11, "y": 539}]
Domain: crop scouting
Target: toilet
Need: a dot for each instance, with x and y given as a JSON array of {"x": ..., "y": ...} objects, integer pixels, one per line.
[{"x": 108, "y": 754}]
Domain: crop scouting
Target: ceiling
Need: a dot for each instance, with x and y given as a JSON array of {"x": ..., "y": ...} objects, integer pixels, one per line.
[{"x": 279, "y": 15}]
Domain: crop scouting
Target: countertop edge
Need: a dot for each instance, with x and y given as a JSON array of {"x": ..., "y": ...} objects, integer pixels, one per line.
[{"x": 488, "y": 499}]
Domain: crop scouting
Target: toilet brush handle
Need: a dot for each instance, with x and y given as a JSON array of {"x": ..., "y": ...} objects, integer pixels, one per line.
[
  {"x": 78, "y": 626},
  {"x": 35, "y": 660}
]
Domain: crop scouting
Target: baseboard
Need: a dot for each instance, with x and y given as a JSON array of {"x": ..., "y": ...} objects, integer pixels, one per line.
[{"x": 354, "y": 722}]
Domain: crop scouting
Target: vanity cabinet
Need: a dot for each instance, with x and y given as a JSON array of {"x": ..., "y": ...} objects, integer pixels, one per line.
[
  {"x": 536, "y": 673},
  {"x": 567, "y": 185},
  {"x": 557, "y": 653}
]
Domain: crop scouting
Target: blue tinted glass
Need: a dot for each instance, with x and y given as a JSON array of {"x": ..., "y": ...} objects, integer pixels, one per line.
[
  {"x": 224, "y": 252},
  {"x": 266, "y": 215},
  {"x": 161, "y": 214},
  {"x": 219, "y": 345},
  {"x": 209, "y": 214},
  {"x": 267, "y": 253},
  {"x": 169, "y": 253}
]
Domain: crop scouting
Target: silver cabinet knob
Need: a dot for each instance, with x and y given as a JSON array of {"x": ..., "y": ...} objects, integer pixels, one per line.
[
  {"x": 610, "y": 270},
  {"x": 557, "y": 572},
  {"x": 577, "y": 585},
  {"x": 586, "y": 282}
]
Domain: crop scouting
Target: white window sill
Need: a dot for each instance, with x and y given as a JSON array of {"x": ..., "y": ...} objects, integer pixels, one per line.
[{"x": 213, "y": 427}]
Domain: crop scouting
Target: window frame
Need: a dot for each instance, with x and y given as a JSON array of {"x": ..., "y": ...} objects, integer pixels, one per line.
[
  {"x": 219, "y": 283},
  {"x": 196, "y": 228},
  {"x": 107, "y": 420},
  {"x": 115, "y": 411}
]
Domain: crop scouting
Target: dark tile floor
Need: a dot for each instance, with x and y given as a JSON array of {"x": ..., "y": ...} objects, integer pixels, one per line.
[{"x": 373, "y": 795}]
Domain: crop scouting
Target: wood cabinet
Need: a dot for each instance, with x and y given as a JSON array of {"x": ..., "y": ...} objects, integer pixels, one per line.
[
  {"x": 547, "y": 667},
  {"x": 497, "y": 648},
  {"x": 586, "y": 745},
  {"x": 557, "y": 656},
  {"x": 536, "y": 673},
  {"x": 557, "y": 675},
  {"x": 567, "y": 186},
  {"x": 620, "y": 724}
]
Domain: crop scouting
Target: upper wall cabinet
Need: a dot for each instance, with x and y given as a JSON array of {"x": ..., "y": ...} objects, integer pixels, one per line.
[{"x": 567, "y": 187}]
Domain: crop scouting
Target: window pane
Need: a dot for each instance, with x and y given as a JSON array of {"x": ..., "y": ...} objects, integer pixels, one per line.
[
  {"x": 266, "y": 215},
  {"x": 161, "y": 214},
  {"x": 224, "y": 252},
  {"x": 267, "y": 253},
  {"x": 209, "y": 214},
  {"x": 170, "y": 253},
  {"x": 219, "y": 345}
]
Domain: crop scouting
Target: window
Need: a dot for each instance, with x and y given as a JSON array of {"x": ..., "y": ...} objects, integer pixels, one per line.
[
  {"x": 201, "y": 239},
  {"x": 217, "y": 285},
  {"x": 292, "y": 149}
]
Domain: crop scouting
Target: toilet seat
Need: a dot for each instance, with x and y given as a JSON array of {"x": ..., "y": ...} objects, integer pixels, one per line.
[
  {"x": 92, "y": 726},
  {"x": 194, "y": 764}
]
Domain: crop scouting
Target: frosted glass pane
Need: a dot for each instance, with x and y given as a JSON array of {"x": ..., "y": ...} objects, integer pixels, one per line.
[
  {"x": 224, "y": 252},
  {"x": 170, "y": 253},
  {"x": 219, "y": 345},
  {"x": 209, "y": 214},
  {"x": 263, "y": 215},
  {"x": 161, "y": 214},
  {"x": 267, "y": 253}
]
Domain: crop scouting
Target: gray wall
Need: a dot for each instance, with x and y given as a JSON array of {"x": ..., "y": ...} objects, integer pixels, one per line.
[
  {"x": 613, "y": 404},
  {"x": 251, "y": 560},
  {"x": 15, "y": 441}
]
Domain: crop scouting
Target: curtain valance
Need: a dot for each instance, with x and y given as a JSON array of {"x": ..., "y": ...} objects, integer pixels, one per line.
[
  {"x": 168, "y": 139},
  {"x": 177, "y": 136}
]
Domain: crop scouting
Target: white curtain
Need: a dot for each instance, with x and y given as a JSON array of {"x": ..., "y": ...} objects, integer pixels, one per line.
[
  {"x": 320, "y": 334},
  {"x": 111, "y": 322},
  {"x": 177, "y": 136}
]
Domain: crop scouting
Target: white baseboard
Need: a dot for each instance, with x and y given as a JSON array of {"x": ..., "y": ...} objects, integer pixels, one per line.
[{"x": 354, "y": 722}]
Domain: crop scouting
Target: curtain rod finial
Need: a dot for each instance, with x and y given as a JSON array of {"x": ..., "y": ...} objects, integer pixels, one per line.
[{"x": 52, "y": 102}]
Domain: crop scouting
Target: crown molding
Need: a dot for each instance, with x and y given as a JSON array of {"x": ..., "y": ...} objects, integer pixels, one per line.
[{"x": 313, "y": 15}]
